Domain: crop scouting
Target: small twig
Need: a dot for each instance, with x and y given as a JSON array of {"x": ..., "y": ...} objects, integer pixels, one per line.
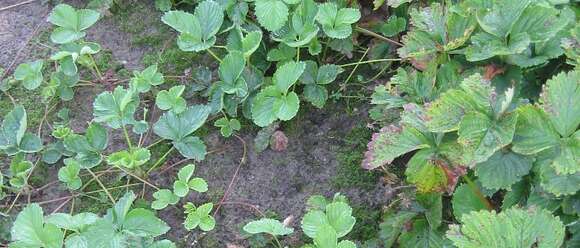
[
  {"x": 368, "y": 62},
  {"x": 213, "y": 55},
  {"x": 102, "y": 186},
  {"x": 343, "y": 86},
  {"x": 16, "y": 5},
  {"x": 378, "y": 36},
  {"x": 139, "y": 178},
  {"x": 242, "y": 161}
]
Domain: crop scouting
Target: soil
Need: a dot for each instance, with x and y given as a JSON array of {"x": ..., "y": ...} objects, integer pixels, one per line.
[{"x": 278, "y": 183}]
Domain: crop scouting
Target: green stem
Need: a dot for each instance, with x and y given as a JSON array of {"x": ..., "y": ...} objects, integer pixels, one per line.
[
  {"x": 297, "y": 54},
  {"x": 96, "y": 67},
  {"x": 127, "y": 138},
  {"x": 277, "y": 241},
  {"x": 368, "y": 62},
  {"x": 160, "y": 160},
  {"x": 213, "y": 55},
  {"x": 154, "y": 143}
]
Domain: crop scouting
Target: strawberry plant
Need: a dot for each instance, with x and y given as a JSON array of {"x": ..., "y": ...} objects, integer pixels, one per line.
[{"x": 480, "y": 111}]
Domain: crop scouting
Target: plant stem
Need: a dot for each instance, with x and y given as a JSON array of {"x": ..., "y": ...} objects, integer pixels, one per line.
[
  {"x": 96, "y": 67},
  {"x": 160, "y": 160},
  {"x": 297, "y": 54},
  {"x": 378, "y": 36},
  {"x": 213, "y": 55},
  {"x": 102, "y": 186},
  {"x": 343, "y": 86},
  {"x": 368, "y": 62},
  {"x": 154, "y": 143},
  {"x": 127, "y": 138},
  {"x": 138, "y": 178}
]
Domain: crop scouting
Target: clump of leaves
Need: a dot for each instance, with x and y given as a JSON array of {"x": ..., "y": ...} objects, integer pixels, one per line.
[
  {"x": 120, "y": 225},
  {"x": 326, "y": 222}
]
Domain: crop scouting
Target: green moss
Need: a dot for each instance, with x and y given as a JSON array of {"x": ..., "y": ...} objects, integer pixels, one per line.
[
  {"x": 30, "y": 99},
  {"x": 350, "y": 155},
  {"x": 367, "y": 224},
  {"x": 172, "y": 61}
]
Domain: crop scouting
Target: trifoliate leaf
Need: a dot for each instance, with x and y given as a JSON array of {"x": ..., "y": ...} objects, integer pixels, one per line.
[
  {"x": 171, "y": 99},
  {"x": 271, "y": 14},
  {"x": 163, "y": 198},
  {"x": 199, "y": 217},
  {"x": 116, "y": 108},
  {"x": 335, "y": 22},
  {"x": 511, "y": 228},
  {"x": 30, "y": 230},
  {"x": 337, "y": 215},
  {"x": 390, "y": 143},
  {"x": 466, "y": 200},
  {"x": 227, "y": 127},
  {"x": 142, "y": 81},
  {"x": 71, "y": 23},
  {"x": 69, "y": 174},
  {"x": 129, "y": 158},
  {"x": 275, "y": 102},
  {"x": 230, "y": 72},
  {"x": 445, "y": 113},
  {"x": 270, "y": 226},
  {"x": 72, "y": 53},
  {"x": 198, "y": 30},
  {"x": 502, "y": 170},
  {"x": 30, "y": 74}
]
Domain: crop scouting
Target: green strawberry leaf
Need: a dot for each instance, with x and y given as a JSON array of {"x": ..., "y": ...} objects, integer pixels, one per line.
[
  {"x": 269, "y": 226},
  {"x": 271, "y": 14},
  {"x": 163, "y": 198},
  {"x": 130, "y": 158},
  {"x": 116, "y": 109},
  {"x": 171, "y": 99},
  {"x": 143, "y": 80},
  {"x": 466, "y": 201},
  {"x": 30, "y": 74},
  {"x": 502, "y": 170},
  {"x": 227, "y": 127},
  {"x": 514, "y": 227},
  {"x": 561, "y": 102},
  {"x": 71, "y": 23},
  {"x": 198, "y": 30},
  {"x": 390, "y": 143},
  {"x": 230, "y": 72},
  {"x": 30, "y": 230},
  {"x": 191, "y": 147},
  {"x": 176, "y": 127},
  {"x": 69, "y": 174},
  {"x": 335, "y": 22}
]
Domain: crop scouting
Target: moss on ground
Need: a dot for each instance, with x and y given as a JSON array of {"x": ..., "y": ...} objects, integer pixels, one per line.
[
  {"x": 350, "y": 155},
  {"x": 367, "y": 223}
]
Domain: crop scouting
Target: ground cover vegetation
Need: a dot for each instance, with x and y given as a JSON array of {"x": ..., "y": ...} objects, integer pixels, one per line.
[{"x": 476, "y": 130}]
